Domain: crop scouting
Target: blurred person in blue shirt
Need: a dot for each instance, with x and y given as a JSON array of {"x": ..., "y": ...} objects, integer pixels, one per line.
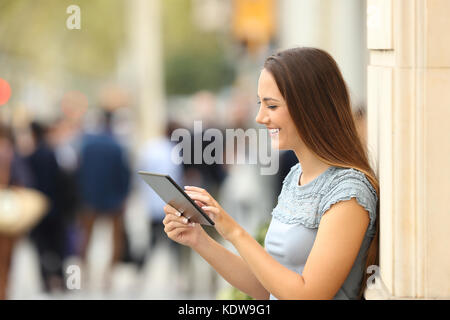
[{"x": 104, "y": 184}]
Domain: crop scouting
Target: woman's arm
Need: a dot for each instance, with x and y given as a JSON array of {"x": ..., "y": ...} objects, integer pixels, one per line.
[{"x": 231, "y": 267}]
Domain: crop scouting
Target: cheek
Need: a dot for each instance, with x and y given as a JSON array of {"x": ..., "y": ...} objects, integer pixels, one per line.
[
  {"x": 286, "y": 124},
  {"x": 290, "y": 134}
]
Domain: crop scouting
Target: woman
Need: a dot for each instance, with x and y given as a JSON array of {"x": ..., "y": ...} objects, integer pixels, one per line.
[{"x": 324, "y": 230}]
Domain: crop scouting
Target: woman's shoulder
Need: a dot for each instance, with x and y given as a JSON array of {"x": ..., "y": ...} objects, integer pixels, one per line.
[
  {"x": 342, "y": 179},
  {"x": 345, "y": 184}
]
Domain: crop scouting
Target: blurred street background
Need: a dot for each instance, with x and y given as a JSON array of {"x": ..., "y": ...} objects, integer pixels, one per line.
[{"x": 90, "y": 93}]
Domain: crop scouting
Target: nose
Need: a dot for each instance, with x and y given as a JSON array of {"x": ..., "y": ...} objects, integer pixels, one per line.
[{"x": 261, "y": 117}]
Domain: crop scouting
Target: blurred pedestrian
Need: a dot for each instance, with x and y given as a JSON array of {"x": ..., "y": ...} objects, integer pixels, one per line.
[
  {"x": 64, "y": 138},
  {"x": 104, "y": 183},
  {"x": 49, "y": 235},
  {"x": 209, "y": 175},
  {"x": 156, "y": 156},
  {"x": 15, "y": 178},
  {"x": 6, "y": 241}
]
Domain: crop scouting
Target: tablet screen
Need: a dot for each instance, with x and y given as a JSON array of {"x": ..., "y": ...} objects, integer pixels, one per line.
[{"x": 171, "y": 193}]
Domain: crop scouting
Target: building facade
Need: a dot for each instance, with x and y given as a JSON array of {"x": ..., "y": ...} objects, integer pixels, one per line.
[{"x": 409, "y": 139}]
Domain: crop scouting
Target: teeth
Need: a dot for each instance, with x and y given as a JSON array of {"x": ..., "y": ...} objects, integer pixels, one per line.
[{"x": 273, "y": 131}]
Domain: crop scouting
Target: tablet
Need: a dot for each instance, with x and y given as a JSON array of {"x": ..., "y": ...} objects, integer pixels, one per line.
[{"x": 171, "y": 193}]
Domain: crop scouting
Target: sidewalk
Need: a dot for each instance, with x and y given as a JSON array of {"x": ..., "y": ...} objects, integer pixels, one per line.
[{"x": 155, "y": 282}]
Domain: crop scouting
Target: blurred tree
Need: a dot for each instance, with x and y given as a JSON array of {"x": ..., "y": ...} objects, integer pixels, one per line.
[
  {"x": 36, "y": 31},
  {"x": 194, "y": 60}
]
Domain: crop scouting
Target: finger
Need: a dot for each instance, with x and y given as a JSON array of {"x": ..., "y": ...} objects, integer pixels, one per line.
[
  {"x": 201, "y": 197},
  {"x": 169, "y": 218},
  {"x": 192, "y": 188},
  {"x": 175, "y": 224},
  {"x": 168, "y": 209},
  {"x": 211, "y": 209},
  {"x": 204, "y": 193},
  {"x": 199, "y": 203}
]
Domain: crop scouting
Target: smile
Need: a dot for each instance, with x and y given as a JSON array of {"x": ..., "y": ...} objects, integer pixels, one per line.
[{"x": 274, "y": 131}]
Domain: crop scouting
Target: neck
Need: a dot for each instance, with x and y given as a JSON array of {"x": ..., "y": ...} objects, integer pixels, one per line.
[{"x": 312, "y": 167}]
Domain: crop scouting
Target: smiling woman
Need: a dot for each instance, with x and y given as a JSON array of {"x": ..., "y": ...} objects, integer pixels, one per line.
[
  {"x": 324, "y": 230},
  {"x": 318, "y": 103}
]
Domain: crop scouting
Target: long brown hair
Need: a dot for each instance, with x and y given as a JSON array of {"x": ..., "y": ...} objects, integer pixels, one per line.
[{"x": 317, "y": 97}]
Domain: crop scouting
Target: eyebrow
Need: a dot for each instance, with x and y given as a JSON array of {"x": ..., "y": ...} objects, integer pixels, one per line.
[{"x": 269, "y": 99}]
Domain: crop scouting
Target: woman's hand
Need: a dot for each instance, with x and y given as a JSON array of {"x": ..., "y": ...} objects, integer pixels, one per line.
[
  {"x": 223, "y": 222},
  {"x": 180, "y": 230}
]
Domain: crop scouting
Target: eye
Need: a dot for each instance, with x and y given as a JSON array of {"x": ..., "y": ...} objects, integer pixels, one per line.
[{"x": 271, "y": 107}]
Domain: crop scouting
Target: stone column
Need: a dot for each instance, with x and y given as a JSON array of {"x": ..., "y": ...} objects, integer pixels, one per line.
[
  {"x": 409, "y": 140},
  {"x": 146, "y": 66}
]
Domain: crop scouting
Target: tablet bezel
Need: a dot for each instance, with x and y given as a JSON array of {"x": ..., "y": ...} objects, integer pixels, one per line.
[{"x": 177, "y": 187}]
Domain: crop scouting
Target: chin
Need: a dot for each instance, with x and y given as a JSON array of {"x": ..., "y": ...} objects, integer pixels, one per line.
[{"x": 279, "y": 145}]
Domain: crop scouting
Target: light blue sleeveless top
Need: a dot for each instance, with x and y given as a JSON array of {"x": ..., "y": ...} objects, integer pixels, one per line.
[{"x": 296, "y": 218}]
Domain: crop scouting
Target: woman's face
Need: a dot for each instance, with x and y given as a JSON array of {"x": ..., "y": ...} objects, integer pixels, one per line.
[{"x": 274, "y": 114}]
